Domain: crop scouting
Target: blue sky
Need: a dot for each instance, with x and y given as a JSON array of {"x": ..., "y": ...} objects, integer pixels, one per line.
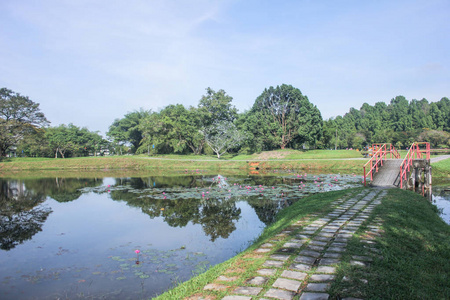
[{"x": 89, "y": 62}]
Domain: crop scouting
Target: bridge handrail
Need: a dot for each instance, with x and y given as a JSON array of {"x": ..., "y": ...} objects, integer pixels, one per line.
[
  {"x": 378, "y": 157},
  {"x": 413, "y": 152},
  {"x": 381, "y": 151}
]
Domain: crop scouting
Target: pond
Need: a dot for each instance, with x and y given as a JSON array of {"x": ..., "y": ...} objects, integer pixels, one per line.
[{"x": 135, "y": 237}]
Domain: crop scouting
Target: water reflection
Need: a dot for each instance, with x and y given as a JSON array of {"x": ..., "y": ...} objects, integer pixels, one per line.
[
  {"x": 69, "y": 236},
  {"x": 22, "y": 213}
]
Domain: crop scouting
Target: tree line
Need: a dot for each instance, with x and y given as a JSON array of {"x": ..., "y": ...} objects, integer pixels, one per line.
[{"x": 280, "y": 118}]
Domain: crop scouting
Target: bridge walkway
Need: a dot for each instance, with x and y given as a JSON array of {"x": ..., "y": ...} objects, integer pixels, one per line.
[{"x": 389, "y": 174}]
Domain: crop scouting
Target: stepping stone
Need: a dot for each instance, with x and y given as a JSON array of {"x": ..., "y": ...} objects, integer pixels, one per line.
[
  {"x": 279, "y": 257},
  {"x": 314, "y": 296},
  {"x": 322, "y": 238},
  {"x": 287, "y": 284},
  {"x": 305, "y": 260},
  {"x": 317, "y": 287},
  {"x": 308, "y": 232},
  {"x": 227, "y": 279},
  {"x": 237, "y": 298},
  {"x": 322, "y": 277},
  {"x": 300, "y": 267},
  {"x": 294, "y": 275},
  {"x": 326, "y": 234},
  {"x": 338, "y": 244},
  {"x": 280, "y": 294},
  {"x": 273, "y": 263},
  {"x": 326, "y": 270},
  {"x": 258, "y": 280},
  {"x": 363, "y": 258},
  {"x": 315, "y": 248},
  {"x": 263, "y": 250},
  {"x": 247, "y": 290},
  {"x": 310, "y": 253},
  {"x": 328, "y": 261},
  {"x": 317, "y": 243},
  {"x": 293, "y": 245},
  {"x": 267, "y": 245},
  {"x": 215, "y": 287},
  {"x": 332, "y": 255},
  {"x": 286, "y": 250},
  {"x": 336, "y": 249},
  {"x": 358, "y": 263},
  {"x": 266, "y": 272}
]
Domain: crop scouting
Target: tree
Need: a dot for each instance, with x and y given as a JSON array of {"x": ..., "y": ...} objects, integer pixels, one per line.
[
  {"x": 216, "y": 106},
  {"x": 287, "y": 117},
  {"x": 127, "y": 129},
  {"x": 222, "y": 136},
  {"x": 173, "y": 129},
  {"x": 19, "y": 117}
]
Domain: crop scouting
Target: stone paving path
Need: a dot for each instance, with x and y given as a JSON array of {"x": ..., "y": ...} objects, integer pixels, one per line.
[{"x": 304, "y": 266}]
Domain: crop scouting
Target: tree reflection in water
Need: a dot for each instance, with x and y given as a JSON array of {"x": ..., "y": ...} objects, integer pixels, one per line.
[
  {"x": 22, "y": 208},
  {"x": 22, "y": 213}
]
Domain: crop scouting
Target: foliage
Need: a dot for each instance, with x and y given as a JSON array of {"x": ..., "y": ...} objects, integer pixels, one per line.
[
  {"x": 282, "y": 117},
  {"x": 401, "y": 123},
  {"x": 127, "y": 129},
  {"x": 221, "y": 136},
  {"x": 20, "y": 118},
  {"x": 73, "y": 140}
]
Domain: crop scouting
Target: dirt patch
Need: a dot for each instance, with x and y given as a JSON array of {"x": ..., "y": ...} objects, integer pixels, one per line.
[{"x": 272, "y": 155}]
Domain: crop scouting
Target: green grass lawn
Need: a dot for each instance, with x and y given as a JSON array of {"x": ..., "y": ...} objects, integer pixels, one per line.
[{"x": 412, "y": 261}]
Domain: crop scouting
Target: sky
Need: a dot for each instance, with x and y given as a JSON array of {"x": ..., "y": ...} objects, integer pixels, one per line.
[{"x": 89, "y": 62}]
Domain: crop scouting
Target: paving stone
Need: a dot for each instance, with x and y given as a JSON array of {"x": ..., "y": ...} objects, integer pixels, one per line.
[
  {"x": 266, "y": 272},
  {"x": 344, "y": 235},
  {"x": 308, "y": 232},
  {"x": 317, "y": 287},
  {"x": 323, "y": 239},
  {"x": 317, "y": 243},
  {"x": 322, "y": 277},
  {"x": 226, "y": 279},
  {"x": 263, "y": 250},
  {"x": 358, "y": 263},
  {"x": 305, "y": 260},
  {"x": 300, "y": 267},
  {"x": 282, "y": 257},
  {"x": 286, "y": 250},
  {"x": 273, "y": 263},
  {"x": 287, "y": 284},
  {"x": 294, "y": 275},
  {"x": 325, "y": 234},
  {"x": 237, "y": 298},
  {"x": 293, "y": 245},
  {"x": 328, "y": 261},
  {"x": 280, "y": 294},
  {"x": 338, "y": 244},
  {"x": 310, "y": 253},
  {"x": 332, "y": 255},
  {"x": 363, "y": 258},
  {"x": 326, "y": 270},
  {"x": 215, "y": 287},
  {"x": 336, "y": 249},
  {"x": 314, "y": 296},
  {"x": 247, "y": 290},
  {"x": 258, "y": 280},
  {"x": 315, "y": 248},
  {"x": 267, "y": 245}
]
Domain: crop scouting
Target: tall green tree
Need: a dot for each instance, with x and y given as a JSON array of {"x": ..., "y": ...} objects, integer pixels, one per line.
[
  {"x": 127, "y": 129},
  {"x": 19, "y": 117},
  {"x": 216, "y": 106},
  {"x": 287, "y": 118}
]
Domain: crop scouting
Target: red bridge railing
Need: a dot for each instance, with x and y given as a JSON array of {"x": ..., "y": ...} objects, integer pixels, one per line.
[
  {"x": 380, "y": 152},
  {"x": 415, "y": 152}
]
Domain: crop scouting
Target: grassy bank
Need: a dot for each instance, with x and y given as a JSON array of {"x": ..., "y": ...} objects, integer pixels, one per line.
[{"x": 412, "y": 261}]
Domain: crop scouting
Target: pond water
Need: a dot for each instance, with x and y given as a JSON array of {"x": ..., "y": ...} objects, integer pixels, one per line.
[{"x": 134, "y": 238}]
